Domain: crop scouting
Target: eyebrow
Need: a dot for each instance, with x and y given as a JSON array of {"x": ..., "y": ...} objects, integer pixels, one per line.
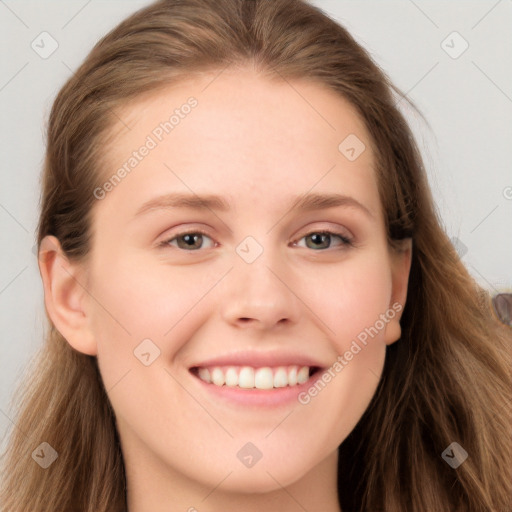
[{"x": 307, "y": 202}]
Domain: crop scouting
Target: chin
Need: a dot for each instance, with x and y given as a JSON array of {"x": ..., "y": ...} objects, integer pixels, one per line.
[{"x": 265, "y": 478}]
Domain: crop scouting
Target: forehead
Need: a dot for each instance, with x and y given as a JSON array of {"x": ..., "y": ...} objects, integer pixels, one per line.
[{"x": 238, "y": 130}]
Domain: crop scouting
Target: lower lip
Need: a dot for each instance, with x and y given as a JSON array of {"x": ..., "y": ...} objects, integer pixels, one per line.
[{"x": 274, "y": 397}]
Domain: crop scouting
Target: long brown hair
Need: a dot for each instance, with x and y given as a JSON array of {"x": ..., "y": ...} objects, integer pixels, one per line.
[{"x": 446, "y": 380}]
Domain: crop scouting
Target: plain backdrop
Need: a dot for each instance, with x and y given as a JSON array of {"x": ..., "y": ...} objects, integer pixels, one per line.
[{"x": 453, "y": 59}]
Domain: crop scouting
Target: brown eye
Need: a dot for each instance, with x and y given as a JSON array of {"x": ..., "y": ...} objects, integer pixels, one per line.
[{"x": 188, "y": 241}]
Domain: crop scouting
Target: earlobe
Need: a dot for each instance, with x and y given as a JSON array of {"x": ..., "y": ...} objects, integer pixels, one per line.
[
  {"x": 400, "y": 270},
  {"x": 65, "y": 296}
]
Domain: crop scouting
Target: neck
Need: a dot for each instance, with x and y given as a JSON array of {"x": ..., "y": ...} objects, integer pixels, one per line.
[{"x": 152, "y": 488}]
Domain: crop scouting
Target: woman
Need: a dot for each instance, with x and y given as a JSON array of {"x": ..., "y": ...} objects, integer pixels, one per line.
[{"x": 251, "y": 301}]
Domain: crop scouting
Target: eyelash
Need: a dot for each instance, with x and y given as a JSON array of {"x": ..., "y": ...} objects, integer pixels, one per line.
[{"x": 345, "y": 241}]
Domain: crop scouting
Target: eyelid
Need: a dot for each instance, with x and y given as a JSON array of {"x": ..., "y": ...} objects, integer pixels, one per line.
[
  {"x": 338, "y": 230},
  {"x": 347, "y": 240},
  {"x": 193, "y": 231}
]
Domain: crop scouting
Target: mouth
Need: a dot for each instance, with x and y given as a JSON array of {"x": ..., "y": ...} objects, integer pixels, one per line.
[
  {"x": 256, "y": 379},
  {"x": 261, "y": 378}
]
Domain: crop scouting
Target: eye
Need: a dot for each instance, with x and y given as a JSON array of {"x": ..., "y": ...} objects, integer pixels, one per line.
[
  {"x": 322, "y": 239},
  {"x": 192, "y": 240}
]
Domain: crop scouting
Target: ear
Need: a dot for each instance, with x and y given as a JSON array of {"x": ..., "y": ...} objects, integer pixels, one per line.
[
  {"x": 65, "y": 296},
  {"x": 400, "y": 268}
]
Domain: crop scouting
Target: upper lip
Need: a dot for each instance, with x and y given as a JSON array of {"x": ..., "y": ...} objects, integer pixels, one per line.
[{"x": 259, "y": 359}]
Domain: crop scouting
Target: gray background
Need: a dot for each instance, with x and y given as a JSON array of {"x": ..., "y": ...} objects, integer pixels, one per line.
[{"x": 467, "y": 148}]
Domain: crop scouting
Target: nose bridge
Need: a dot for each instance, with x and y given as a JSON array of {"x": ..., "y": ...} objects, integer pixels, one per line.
[{"x": 258, "y": 289}]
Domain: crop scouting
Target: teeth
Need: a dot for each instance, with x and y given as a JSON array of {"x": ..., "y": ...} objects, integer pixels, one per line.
[
  {"x": 246, "y": 377},
  {"x": 260, "y": 378},
  {"x": 281, "y": 378},
  {"x": 231, "y": 377},
  {"x": 204, "y": 374},
  {"x": 263, "y": 379},
  {"x": 303, "y": 375},
  {"x": 292, "y": 376},
  {"x": 217, "y": 376}
]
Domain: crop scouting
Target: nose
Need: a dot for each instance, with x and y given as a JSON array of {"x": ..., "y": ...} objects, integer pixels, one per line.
[{"x": 262, "y": 295}]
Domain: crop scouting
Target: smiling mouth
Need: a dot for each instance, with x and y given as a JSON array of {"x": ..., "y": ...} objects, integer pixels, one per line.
[{"x": 248, "y": 377}]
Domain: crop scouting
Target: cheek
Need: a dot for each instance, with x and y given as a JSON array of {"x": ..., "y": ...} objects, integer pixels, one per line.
[
  {"x": 355, "y": 306},
  {"x": 135, "y": 301},
  {"x": 353, "y": 303},
  {"x": 350, "y": 299},
  {"x": 144, "y": 299}
]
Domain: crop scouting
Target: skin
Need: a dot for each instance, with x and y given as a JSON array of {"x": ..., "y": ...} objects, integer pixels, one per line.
[{"x": 258, "y": 143}]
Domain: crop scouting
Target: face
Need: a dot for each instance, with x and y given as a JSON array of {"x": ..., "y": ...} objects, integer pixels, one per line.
[{"x": 246, "y": 247}]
